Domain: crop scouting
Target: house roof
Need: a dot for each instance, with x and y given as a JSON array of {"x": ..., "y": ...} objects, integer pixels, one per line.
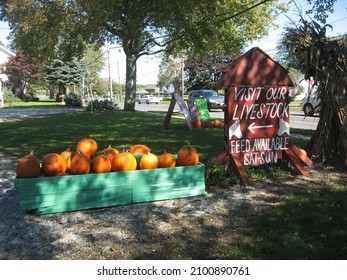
[
  {"x": 151, "y": 86},
  {"x": 254, "y": 68},
  {"x": 7, "y": 51}
]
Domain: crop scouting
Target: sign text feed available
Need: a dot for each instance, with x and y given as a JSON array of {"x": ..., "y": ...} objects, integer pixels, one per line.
[{"x": 258, "y": 123}]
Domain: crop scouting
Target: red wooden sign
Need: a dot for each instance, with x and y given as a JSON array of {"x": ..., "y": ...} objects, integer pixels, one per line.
[
  {"x": 258, "y": 123},
  {"x": 257, "y": 116}
]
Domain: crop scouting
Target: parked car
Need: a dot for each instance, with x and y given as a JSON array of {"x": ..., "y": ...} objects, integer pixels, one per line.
[
  {"x": 105, "y": 98},
  {"x": 149, "y": 99},
  {"x": 214, "y": 99},
  {"x": 311, "y": 105}
]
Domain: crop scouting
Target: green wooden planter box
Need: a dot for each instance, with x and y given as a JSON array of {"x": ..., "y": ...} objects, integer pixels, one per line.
[{"x": 77, "y": 192}]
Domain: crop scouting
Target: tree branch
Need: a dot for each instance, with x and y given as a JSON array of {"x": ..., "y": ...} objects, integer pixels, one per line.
[{"x": 158, "y": 44}]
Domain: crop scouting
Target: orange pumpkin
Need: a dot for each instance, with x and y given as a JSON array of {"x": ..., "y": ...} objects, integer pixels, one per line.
[
  {"x": 218, "y": 123},
  {"x": 67, "y": 156},
  {"x": 110, "y": 152},
  {"x": 28, "y": 166},
  {"x": 139, "y": 148},
  {"x": 166, "y": 160},
  {"x": 209, "y": 123},
  {"x": 187, "y": 156},
  {"x": 304, "y": 152},
  {"x": 80, "y": 164},
  {"x": 102, "y": 164},
  {"x": 53, "y": 164},
  {"x": 88, "y": 146},
  {"x": 196, "y": 123},
  {"x": 148, "y": 161},
  {"x": 125, "y": 161}
]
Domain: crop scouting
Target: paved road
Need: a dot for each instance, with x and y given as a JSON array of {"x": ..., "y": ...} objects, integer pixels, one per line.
[
  {"x": 7, "y": 114},
  {"x": 297, "y": 118}
]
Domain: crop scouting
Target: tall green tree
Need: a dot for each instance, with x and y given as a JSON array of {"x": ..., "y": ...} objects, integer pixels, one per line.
[
  {"x": 64, "y": 74},
  {"x": 205, "y": 72},
  {"x": 170, "y": 72},
  {"x": 320, "y": 9},
  {"x": 95, "y": 62},
  {"x": 141, "y": 27},
  {"x": 44, "y": 29}
]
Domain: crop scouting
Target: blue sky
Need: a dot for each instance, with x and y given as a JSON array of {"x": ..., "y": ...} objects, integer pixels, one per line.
[
  {"x": 147, "y": 67},
  {"x": 338, "y": 20}
]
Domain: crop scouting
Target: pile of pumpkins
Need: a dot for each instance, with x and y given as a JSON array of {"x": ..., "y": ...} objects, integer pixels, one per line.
[
  {"x": 86, "y": 159},
  {"x": 197, "y": 123}
]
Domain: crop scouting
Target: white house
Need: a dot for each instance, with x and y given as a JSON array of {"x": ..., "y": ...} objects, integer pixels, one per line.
[{"x": 4, "y": 55}]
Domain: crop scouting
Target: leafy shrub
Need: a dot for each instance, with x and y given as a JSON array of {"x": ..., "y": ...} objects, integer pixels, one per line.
[
  {"x": 73, "y": 100},
  {"x": 10, "y": 98},
  {"x": 222, "y": 176},
  {"x": 101, "y": 105},
  {"x": 59, "y": 97},
  {"x": 32, "y": 98}
]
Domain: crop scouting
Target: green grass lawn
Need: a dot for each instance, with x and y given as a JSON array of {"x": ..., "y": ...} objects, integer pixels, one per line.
[
  {"x": 295, "y": 105},
  {"x": 44, "y": 103},
  {"x": 120, "y": 129}
]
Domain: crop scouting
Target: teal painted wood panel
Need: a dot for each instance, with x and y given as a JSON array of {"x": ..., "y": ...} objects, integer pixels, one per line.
[{"x": 77, "y": 192}]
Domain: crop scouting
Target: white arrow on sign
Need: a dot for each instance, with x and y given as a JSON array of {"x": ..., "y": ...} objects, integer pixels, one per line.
[{"x": 253, "y": 126}]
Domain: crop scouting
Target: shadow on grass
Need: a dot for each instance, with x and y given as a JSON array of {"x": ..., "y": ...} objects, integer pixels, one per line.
[{"x": 306, "y": 226}]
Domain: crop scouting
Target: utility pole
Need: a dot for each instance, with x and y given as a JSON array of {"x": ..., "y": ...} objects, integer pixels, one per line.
[
  {"x": 120, "y": 87},
  {"x": 109, "y": 73}
]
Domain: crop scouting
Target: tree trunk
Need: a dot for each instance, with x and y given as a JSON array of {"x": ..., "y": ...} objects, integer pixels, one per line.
[
  {"x": 62, "y": 88},
  {"x": 130, "y": 83},
  {"x": 24, "y": 91}
]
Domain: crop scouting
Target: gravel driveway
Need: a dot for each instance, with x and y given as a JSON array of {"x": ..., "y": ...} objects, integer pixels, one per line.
[{"x": 7, "y": 114}]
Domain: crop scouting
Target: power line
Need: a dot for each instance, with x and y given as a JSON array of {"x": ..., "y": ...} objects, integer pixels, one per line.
[
  {"x": 245, "y": 10},
  {"x": 117, "y": 47},
  {"x": 341, "y": 19}
]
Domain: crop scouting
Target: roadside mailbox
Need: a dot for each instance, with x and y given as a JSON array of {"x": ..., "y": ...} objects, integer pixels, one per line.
[{"x": 257, "y": 124}]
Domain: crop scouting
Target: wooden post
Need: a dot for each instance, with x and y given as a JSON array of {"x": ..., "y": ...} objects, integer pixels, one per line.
[
  {"x": 238, "y": 166},
  {"x": 295, "y": 156},
  {"x": 169, "y": 113}
]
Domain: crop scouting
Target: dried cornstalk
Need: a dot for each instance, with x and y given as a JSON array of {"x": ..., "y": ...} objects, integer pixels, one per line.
[{"x": 326, "y": 60}]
